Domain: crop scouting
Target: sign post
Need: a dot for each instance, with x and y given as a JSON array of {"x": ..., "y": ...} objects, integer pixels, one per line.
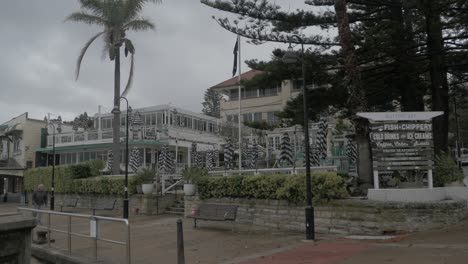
[{"x": 401, "y": 141}]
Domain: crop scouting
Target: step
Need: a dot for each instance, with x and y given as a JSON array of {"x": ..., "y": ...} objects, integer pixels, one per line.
[
  {"x": 174, "y": 213},
  {"x": 175, "y": 209}
]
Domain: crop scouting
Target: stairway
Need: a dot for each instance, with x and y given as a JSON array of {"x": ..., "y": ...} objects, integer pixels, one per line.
[{"x": 177, "y": 208}]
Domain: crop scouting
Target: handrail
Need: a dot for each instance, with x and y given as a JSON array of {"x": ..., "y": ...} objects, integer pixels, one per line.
[
  {"x": 259, "y": 171},
  {"x": 94, "y": 234}
]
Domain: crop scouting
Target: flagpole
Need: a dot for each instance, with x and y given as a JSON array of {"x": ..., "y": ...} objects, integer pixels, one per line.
[{"x": 240, "y": 106}]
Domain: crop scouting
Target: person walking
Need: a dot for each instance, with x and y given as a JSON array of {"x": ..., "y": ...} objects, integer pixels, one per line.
[{"x": 39, "y": 200}]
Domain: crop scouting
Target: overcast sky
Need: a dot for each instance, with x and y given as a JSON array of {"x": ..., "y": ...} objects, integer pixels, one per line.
[{"x": 187, "y": 53}]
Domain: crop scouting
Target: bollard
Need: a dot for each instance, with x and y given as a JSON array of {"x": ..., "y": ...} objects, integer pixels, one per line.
[{"x": 180, "y": 243}]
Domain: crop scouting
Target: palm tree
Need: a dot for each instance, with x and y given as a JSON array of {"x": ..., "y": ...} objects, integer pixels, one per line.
[{"x": 116, "y": 17}]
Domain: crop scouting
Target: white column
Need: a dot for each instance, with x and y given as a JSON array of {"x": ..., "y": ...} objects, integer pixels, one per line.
[
  {"x": 429, "y": 179},
  {"x": 376, "y": 179}
]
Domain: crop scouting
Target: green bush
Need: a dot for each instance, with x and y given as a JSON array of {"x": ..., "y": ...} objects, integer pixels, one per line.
[
  {"x": 96, "y": 166},
  {"x": 67, "y": 182},
  {"x": 446, "y": 170},
  {"x": 80, "y": 170},
  {"x": 192, "y": 174},
  {"x": 325, "y": 187}
]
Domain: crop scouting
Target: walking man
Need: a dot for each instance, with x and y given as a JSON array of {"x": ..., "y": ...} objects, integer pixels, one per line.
[{"x": 39, "y": 200}]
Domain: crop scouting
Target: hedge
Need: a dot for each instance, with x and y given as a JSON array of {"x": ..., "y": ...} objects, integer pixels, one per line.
[
  {"x": 325, "y": 187},
  {"x": 77, "y": 178}
]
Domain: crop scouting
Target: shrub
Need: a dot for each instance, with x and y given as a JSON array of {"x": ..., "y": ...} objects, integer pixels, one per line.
[
  {"x": 80, "y": 170},
  {"x": 446, "y": 170},
  {"x": 66, "y": 182},
  {"x": 192, "y": 174},
  {"x": 325, "y": 187},
  {"x": 96, "y": 166}
]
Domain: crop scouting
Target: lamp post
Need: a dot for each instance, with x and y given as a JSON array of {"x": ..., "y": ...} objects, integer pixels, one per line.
[
  {"x": 289, "y": 58},
  {"x": 52, "y": 187},
  {"x": 116, "y": 110}
]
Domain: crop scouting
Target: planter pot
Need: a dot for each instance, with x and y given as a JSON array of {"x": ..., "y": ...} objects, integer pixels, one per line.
[
  {"x": 190, "y": 189},
  {"x": 411, "y": 185},
  {"x": 147, "y": 188}
]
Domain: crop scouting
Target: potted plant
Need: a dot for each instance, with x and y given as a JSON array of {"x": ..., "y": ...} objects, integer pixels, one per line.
[
  {"x": 145, "y": 178},
  {"x": 191, "y": 176}
]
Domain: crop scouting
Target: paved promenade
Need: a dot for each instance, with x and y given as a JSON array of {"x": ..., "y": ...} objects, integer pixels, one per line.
[{"x": 154, "y": 241}]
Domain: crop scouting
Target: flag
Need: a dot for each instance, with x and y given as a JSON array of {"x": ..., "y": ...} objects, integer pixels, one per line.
[{"x": 236, "y": 49}]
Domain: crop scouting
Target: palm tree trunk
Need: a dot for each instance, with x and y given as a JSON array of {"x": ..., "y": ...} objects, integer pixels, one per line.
[
  {"x": 116, "y": 122},
  {"x": 357, "y": 101}
]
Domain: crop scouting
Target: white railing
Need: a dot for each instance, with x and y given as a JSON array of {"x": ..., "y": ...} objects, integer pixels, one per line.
[
  {"x": 95, "y": 235},
  {"x": 289, "y": 170}
]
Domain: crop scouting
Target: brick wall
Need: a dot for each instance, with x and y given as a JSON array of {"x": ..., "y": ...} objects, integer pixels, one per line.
[{"x": 345, "y": 217}]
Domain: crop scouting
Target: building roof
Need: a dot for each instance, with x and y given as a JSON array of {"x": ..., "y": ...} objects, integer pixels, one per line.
[{"x": 246, "y": 76}]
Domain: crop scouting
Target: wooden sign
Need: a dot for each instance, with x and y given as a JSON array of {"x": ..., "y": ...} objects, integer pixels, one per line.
[
  {"x": 379, "y": 136},
  {"x": 402, "y": 144},
  {"x": 405, "y": 126},
  {"x": 399, "y": 116}
]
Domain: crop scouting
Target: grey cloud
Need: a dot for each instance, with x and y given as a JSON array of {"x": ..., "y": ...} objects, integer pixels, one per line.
[{"x": 187, "y": 54}]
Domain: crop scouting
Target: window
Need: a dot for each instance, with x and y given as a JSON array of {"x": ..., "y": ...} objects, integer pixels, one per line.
[
  {"x": 249, "y": 93},
  {"x": 277, "y": 143},
  {"x": 272, "y": 118},
  {"x": 150, "y": 119},
  {"x": 232, "y": 118},
  {"x": 269, "y": 91},
  {"x": 159, "y": 118},
  {"x": 16, "y": 145},
  {"x": 249, "y": 117},
  {"x": 257, "y": 116},
  {"x": 106, "y": 123}
]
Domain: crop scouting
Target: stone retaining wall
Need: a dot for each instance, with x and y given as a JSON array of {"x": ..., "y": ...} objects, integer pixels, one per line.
[
  {"x": 147, "y": 203},
  {"x": 345, "y": 217}
]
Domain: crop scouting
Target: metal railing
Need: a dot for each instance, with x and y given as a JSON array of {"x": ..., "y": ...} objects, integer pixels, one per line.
[
  {"x": 289, "y": 170},
  {"x": 94, "y": 230}
]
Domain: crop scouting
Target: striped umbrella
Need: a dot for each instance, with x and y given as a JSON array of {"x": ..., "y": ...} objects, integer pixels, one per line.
[
  {"x": 228, "y": 154},
  {"x": 351, "y": 150},
  {"x": 322, "y": 138},
  {"x": 313, "y": 156},
  {"x": 135, "y": 159},
  {"x": 163, "y": 160},
  {"x": 196, "y": 157},
  {"x": 137, "y": 119},
  {"x": 171, "y": 162},
  {"x": 209, "y": 160},
  {"x": 252, "y": 156},
  {"x": 286, "y": 154},
  {"x": 110, "y": 159}
]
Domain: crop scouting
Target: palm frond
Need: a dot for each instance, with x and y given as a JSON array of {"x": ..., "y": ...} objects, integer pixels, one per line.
[
  {"x": 97, "y": 7},
  {"x": 130, "y": 75},
  {"x": 139, "y": 25},
  {"x": 134, "y": 7},
  {"x": 83, "y": 52},
  {"x": 85, "y": 18}
]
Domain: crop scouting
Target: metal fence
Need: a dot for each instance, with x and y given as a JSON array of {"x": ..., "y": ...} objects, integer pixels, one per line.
[{"x": 94, "y": 233}]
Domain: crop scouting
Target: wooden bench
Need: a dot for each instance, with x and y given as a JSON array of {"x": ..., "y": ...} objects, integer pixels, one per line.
[
  {"x": 71, "y": 202},
  {"x": 104, "y": 204},
  {"x": 214, "y": 212}
]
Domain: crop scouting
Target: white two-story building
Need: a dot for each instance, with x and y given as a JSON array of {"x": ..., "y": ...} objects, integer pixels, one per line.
[
  {"x": 19, "y": 138},
  {"x": 162, "y": 125}
]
